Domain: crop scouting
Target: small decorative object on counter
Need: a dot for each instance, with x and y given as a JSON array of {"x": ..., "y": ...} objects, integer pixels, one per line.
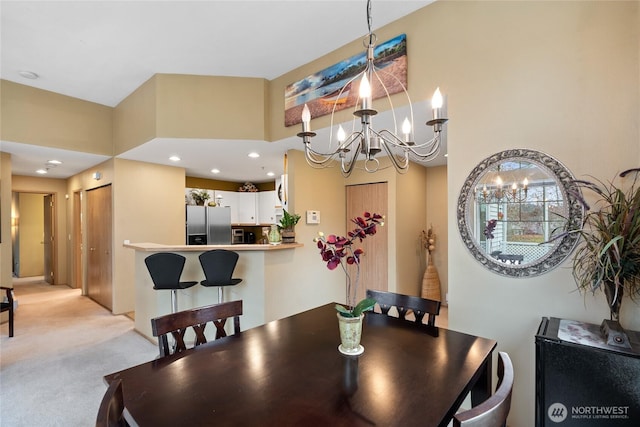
[
  {"x": 287, "y": 226},
  {"x": 339, "y": 251},
  {"x": 274, "y": 235}
]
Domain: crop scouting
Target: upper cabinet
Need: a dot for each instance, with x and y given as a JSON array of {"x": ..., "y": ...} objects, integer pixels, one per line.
[
  {"x": 267, "y": 207},
  {"x": 247, "y": 208}
]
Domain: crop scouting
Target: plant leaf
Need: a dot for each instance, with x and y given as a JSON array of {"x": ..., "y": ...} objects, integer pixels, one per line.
[
  {"x": 364, "y": 305},
  {"x": 343, "y": 311}
]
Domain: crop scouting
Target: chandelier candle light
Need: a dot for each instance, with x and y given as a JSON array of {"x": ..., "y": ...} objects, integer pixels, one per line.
[{"x": 366, "y": 142}]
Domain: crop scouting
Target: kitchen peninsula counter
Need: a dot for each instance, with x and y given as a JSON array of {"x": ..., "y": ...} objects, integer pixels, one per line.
[
  {"x": 260, "y": 267},
  {"x": 157, "y": 247}
]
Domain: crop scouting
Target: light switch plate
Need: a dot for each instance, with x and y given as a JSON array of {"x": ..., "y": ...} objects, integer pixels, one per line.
[{"x": 313, "y": 217}]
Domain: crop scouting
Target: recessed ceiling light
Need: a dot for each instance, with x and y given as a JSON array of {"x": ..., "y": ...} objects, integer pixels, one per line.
[
  {"x": 254, "y": 155},
  {"x": 28, "y": 74},
  {"x": 215, "y": 170},
  {"x": 270, "y": 174},
  {"x": 41, "y": 171},
  {"x": 54, "y": 162},
  {"x": 174, "y": 158}
]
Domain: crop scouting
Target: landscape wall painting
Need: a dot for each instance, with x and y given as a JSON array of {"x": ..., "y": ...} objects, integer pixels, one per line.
[{"x": 320, "y": 91}]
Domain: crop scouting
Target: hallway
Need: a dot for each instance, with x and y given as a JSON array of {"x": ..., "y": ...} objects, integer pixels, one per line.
[{"x": 51, "y": 370}]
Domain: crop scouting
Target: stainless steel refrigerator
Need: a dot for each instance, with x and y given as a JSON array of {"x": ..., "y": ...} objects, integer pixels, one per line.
[
  {"x": 218, "y": 225},
  {"x": 196, "y": 227}
]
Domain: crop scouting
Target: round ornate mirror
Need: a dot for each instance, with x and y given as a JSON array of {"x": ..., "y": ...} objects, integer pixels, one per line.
[{"x": 513, "y": 211}]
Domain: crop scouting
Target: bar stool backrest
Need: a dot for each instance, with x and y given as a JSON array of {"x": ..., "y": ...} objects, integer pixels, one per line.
[
  {"x": 218, "y": 266},
  {"x": 165, "y": 269}
]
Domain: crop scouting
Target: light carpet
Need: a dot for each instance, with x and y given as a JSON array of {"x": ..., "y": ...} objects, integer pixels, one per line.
[{"x": 51, "y": 371}]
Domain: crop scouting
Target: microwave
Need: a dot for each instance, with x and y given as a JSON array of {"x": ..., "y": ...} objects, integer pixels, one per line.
[{"x": 237, "y": 236}]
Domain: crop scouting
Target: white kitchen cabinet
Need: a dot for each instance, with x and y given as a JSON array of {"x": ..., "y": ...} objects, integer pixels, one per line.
[
  {"x": 267, "y": 202},
  {"x": 230, "y": 199},
  {"x": 247, "y": 212}
]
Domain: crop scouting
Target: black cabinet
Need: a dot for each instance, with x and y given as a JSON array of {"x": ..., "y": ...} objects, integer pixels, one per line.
[{"x": 581, "y": 381}]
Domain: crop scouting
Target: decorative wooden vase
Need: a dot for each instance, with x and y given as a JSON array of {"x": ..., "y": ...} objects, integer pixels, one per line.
[
  {"x": 350, "y": 334},
  {"x": 288, "y": 235},
  {"x": 431, "y": 283}
]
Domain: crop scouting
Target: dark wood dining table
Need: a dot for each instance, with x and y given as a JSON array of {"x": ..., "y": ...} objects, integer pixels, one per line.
[{"x": 289, "y": 372}]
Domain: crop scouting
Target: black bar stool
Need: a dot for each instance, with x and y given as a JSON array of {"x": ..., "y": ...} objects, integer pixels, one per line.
[
  {"x": 165, "y": 269},
  {"x": 218, "y": 266}
]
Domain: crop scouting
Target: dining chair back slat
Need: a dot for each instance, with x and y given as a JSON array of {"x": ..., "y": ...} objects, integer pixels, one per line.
[
  {"x": 178, "y": 323},
  {"x": 492, "y": 412},
  {"x": 406, "y": 304}
]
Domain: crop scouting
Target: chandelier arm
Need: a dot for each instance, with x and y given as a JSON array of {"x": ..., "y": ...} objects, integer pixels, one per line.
[
  {"x": 347, "y": 166},
  {"x": 400, "y": 163},
  {"x": 343, "y": 146},
  {"x": 433, "y": 147},
  {"x": 392, "y": 139}
]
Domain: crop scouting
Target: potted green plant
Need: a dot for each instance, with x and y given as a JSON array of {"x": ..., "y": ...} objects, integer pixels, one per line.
[
  {"x": 287, "y": 226},
  {"x": 608, "y": 255},
  {"x": 339, "y": 251},
  {"x": 200, "y": 196}
]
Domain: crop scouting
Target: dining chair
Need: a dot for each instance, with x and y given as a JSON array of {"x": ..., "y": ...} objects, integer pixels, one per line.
[
  {"x": 8, "y": 306},
  {"x": 165, "y": 269},
  {"x": 111, "y": 410},
  {"x": 177, "y": 325},
  {"x": 218, "y": 266},
  {"x": 406, "y": 304},
  {"x": 492, "y": 412}
]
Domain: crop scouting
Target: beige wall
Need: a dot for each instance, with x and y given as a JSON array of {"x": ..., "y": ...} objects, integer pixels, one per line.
[
  {"x": 148, "y": 205},
  {"x": 411, "y": 201},
  {"x": 512, "y": 82},
  {"x": 5, "y": 220},
  {"x": 38, "y": 117},
  {"x": 437, "y": 217},
  {"x": 134, "y": 119},
  {"x": 322, "y": 190},
  {"x": 210, "y": 107},
  {"x": 57, "y": 187}
]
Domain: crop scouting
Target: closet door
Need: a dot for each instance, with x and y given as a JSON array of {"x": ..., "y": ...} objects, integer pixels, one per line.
[
  {"x": 99, "y": 231},
  {"x": 49, "y": 240},
  {"x": 374, "y": 264}
]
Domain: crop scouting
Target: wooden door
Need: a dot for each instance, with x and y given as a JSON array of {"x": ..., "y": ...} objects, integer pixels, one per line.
[
  {"x": 99, "y": 242},
  {"x": 374, "y": 262},
  {"x": 77, "y": 240},
  {"x": 49, "y": 239}
]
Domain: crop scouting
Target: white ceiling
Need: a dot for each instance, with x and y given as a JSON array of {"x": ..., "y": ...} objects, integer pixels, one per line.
[{"x": 102, "y": 50}]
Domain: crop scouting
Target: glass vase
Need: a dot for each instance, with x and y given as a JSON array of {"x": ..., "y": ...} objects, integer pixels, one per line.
[{"x": 274, "y": 235}]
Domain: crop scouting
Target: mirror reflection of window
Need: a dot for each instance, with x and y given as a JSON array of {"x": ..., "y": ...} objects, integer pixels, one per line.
[
  {"x": 513, "y": 210},
  {"x": 528, "y": 207}
]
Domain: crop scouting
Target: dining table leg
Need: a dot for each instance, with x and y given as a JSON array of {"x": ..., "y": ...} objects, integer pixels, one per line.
[{"x": 481, "y": 390}]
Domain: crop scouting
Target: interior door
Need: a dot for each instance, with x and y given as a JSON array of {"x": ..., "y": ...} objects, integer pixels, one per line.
[
  {"x": 77, "y": 240},
  {"x": 99, "y": 244},
  {"x": 49, "y": 239},
  {"x": 374, "y": 262}
]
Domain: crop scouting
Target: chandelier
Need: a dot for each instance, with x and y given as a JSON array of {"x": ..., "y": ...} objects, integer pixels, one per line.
[
  {"x": 497, "y": 192},
  {"x": 365, "y": 142}
]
